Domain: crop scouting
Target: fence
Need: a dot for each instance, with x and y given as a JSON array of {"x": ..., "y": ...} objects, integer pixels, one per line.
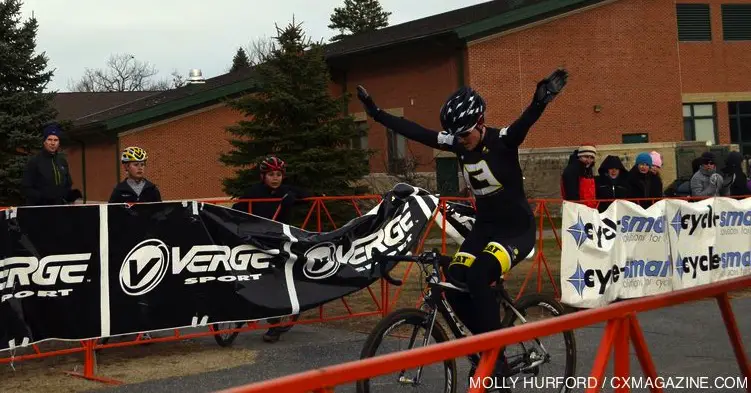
[
  {"x": 622, "y": 327},
  {"x": 382, "y": 303}
]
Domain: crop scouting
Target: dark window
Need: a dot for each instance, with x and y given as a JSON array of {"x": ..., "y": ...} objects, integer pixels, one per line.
[
  {"x": 736, "y": 22},
  {"x": 635, "y": 138},
  {"x": 740, "y": 125},
  {"x": 397, "y": 151},
  {"x": 693, "y": 22}
]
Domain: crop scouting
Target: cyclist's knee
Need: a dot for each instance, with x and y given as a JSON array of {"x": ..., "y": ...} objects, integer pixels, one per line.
[
  {"x": 484, "y": 271},
  {"x": 500, "y": 255},
  {"x": 459, "y": 266}
]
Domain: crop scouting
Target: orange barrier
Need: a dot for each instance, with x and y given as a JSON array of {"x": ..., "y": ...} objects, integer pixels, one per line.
[{"x": 622, "y": 327}]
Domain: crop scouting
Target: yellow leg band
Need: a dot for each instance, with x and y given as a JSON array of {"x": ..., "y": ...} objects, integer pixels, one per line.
[
  {"x": 500, "y": 253},
  {"x": 463, "y": 258}
]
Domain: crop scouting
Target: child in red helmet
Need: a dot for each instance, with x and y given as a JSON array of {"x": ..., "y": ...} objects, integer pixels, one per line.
[{"x": 273, "y": 171}]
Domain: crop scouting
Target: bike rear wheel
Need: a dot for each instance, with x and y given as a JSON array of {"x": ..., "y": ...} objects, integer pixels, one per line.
[
  {"x": 522, "y": 357},
  {"x": 403, "y": 330}
]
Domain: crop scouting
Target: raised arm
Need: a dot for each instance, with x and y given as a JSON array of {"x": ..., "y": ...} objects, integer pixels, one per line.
[
  {"x": 410, "y": 129},
  {"x": 547, "y": 89}
]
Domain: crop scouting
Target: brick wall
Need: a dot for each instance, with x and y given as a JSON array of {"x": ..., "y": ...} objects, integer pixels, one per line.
[
  {"x": 101, "y": 168},
  {"x": 621, "y": 56},
  {"x": 417, "y": 82},
  {"x": 184, "y": 153}
]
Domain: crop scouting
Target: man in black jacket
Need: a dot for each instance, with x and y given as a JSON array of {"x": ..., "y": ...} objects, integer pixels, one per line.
[
  {"x": 135, "y": 188},
  {"x": 46, "y": 179}
]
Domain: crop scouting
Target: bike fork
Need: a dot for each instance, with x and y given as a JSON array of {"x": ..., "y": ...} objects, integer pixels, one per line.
[{"x": 428, "y": 334}]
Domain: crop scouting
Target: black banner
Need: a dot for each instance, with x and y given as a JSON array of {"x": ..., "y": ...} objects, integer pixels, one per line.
[{"x": 79, "y": 272}]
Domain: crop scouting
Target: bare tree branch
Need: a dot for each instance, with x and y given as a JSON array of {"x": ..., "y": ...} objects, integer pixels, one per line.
[
  {"x": 259, "y": 49},
  {"x": 122, "y": 72}
]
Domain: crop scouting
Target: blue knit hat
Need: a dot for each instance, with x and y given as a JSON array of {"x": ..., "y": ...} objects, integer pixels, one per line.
[
  {"x": 52, "y": 129},
  {"x": 644, "y": 158}
]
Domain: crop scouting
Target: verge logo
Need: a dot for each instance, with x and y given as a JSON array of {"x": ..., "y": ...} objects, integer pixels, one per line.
[
  {"x": 144, "y": 267},
  {"x": 321, "y": 262}
]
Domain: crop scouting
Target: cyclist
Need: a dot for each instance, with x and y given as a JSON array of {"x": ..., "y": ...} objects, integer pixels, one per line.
[{"x": 504, "y": 230}]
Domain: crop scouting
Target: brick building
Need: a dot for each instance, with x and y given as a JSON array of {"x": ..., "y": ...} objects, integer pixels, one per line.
[{"x": 640, "y": 71}]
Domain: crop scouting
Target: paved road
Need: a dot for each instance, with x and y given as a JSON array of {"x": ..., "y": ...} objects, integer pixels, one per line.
[{"x": 685, "y": 341}]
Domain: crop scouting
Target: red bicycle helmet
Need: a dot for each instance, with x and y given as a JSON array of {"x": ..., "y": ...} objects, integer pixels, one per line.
[{"x": 272, "y": 163}]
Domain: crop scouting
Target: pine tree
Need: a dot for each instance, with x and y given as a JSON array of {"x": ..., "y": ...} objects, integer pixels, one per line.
[
  {"x": 24, "y": 107},
  {"x": 240, "y": 60},
  {"x": 358, "y": 16},
  {"x": 294, "y": 116}
]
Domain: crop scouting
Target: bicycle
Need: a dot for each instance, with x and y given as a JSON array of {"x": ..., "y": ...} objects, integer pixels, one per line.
[{"x": 528, "y": 362}]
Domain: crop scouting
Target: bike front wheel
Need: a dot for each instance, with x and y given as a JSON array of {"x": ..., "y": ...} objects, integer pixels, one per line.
[
  {"x": 403, "y": 330},
  {"x": 550, "y": 356}
]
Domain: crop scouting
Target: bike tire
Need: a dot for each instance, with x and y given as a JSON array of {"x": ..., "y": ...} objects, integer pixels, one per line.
[
  {"x": 557, "y": 309},
  {"x": 413, "y": 317}
]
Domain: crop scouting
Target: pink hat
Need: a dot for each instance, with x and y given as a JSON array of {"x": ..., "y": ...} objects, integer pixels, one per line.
[{"x": 656, "y": 159}]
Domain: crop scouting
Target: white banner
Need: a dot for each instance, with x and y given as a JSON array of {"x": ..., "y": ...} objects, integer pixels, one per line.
[{"x": 629, "y": 252}]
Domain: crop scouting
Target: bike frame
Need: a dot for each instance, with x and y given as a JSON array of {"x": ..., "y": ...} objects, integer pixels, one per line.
[{"x": 436, "y": 303}]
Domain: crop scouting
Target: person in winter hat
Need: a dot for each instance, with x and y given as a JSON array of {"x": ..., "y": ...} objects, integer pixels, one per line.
[
  {"x": 612, "y": 182},
  {"x": 706, "y": 181},
  {"x": 656, "y": 163},
  {"x": 46, "y": 179},
  {"x": 642, "y": 182},
  {"x": 577, "y": 179},
  {"x": 735, "y": 181}
]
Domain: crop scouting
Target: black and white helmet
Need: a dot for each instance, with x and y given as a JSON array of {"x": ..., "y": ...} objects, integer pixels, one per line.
[{"x": 463, "y": 110}]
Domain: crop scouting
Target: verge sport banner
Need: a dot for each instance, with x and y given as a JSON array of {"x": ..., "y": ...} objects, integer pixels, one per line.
[
  {"x": 628, "y": 251},
  {"x": 86, "y": 271}
]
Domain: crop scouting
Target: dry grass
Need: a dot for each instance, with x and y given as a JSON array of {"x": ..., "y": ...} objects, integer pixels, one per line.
[{"x": 129, "y": 365}]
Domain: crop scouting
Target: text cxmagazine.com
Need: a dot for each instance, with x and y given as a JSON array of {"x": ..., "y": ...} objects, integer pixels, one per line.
[{"x": 673, "y": 382}]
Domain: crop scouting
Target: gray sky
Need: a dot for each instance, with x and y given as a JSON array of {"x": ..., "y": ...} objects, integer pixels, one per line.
[{"x": 182, "y": 34}]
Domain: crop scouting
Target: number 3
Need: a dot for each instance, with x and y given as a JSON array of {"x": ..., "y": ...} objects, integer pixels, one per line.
[{"x": 481, "y": 179}]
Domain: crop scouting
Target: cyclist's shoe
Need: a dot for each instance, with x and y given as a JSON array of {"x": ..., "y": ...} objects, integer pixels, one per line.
[
  {"x": 501, "y": 368},
  {"x": 271, "y": 336}
]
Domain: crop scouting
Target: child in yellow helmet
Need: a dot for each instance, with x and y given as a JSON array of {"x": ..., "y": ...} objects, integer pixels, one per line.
[{"x": 135, "y": 187}]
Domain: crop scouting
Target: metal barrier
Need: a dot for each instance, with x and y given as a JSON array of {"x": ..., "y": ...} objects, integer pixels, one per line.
[{"x": 622, "y": 327}]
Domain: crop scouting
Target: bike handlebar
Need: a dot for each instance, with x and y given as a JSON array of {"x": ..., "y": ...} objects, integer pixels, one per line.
[{"x": 431, "y": 257}]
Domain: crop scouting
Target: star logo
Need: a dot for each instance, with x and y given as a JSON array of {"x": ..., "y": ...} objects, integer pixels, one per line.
[
  {"x": 577, "y": 279},
  {"x": 676, "y": 222},
  {"x": 679, "y": 266},
  {"x": 577, "y": 231}
]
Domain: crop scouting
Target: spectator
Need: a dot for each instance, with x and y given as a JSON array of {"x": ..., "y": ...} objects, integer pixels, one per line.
[
  {"x": 135, "y": 187},
  {"x": 642, "y": 182},
  {"x": 273, "y": 171},
  {"x": 577, "y": 180},
  {"x": 46, "y": 179},
  {"x": 612, "y": 182},
  {"x": 735, "y": 181},
  {"x": 656, "y": 164},
  {"x": 706, "y": 181}
]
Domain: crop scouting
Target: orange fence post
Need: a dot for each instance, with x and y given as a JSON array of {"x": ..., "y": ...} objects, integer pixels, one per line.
[{"x": 735, "y": 336}]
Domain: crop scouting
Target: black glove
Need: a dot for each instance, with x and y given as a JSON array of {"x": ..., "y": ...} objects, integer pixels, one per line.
[
  {"x": 370, "y": 107},
  {"x": 288, "y": 200},
  {"x": 549, "y": 87},
  {"x": 73, "y": 195}
]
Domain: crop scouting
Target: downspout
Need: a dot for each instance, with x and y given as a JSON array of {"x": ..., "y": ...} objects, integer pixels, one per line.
[
  {"x": 83, "y": 167},
  {"x": 460, "y": 55}
]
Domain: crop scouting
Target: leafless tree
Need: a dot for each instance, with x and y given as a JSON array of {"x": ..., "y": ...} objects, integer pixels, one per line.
[
  {"x": 259, "y": 49},
  {"x": 122, "y": 72}
]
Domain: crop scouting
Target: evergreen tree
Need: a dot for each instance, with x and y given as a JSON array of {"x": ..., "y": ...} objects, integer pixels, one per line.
[
  {"x": 358, "y": 16},
  {"x": 294, "y": 116},
  {"x": 24, "y": 107},
  {"x": 240, "y": 60}
]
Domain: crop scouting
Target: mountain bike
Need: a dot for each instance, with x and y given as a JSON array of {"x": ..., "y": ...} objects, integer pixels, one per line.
[{"x": 410, "y": 321}]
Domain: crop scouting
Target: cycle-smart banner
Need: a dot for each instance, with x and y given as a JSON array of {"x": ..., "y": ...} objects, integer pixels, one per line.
[
  {"x": 629, "y": 252},
  {"x": 87, "y": 271}
]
